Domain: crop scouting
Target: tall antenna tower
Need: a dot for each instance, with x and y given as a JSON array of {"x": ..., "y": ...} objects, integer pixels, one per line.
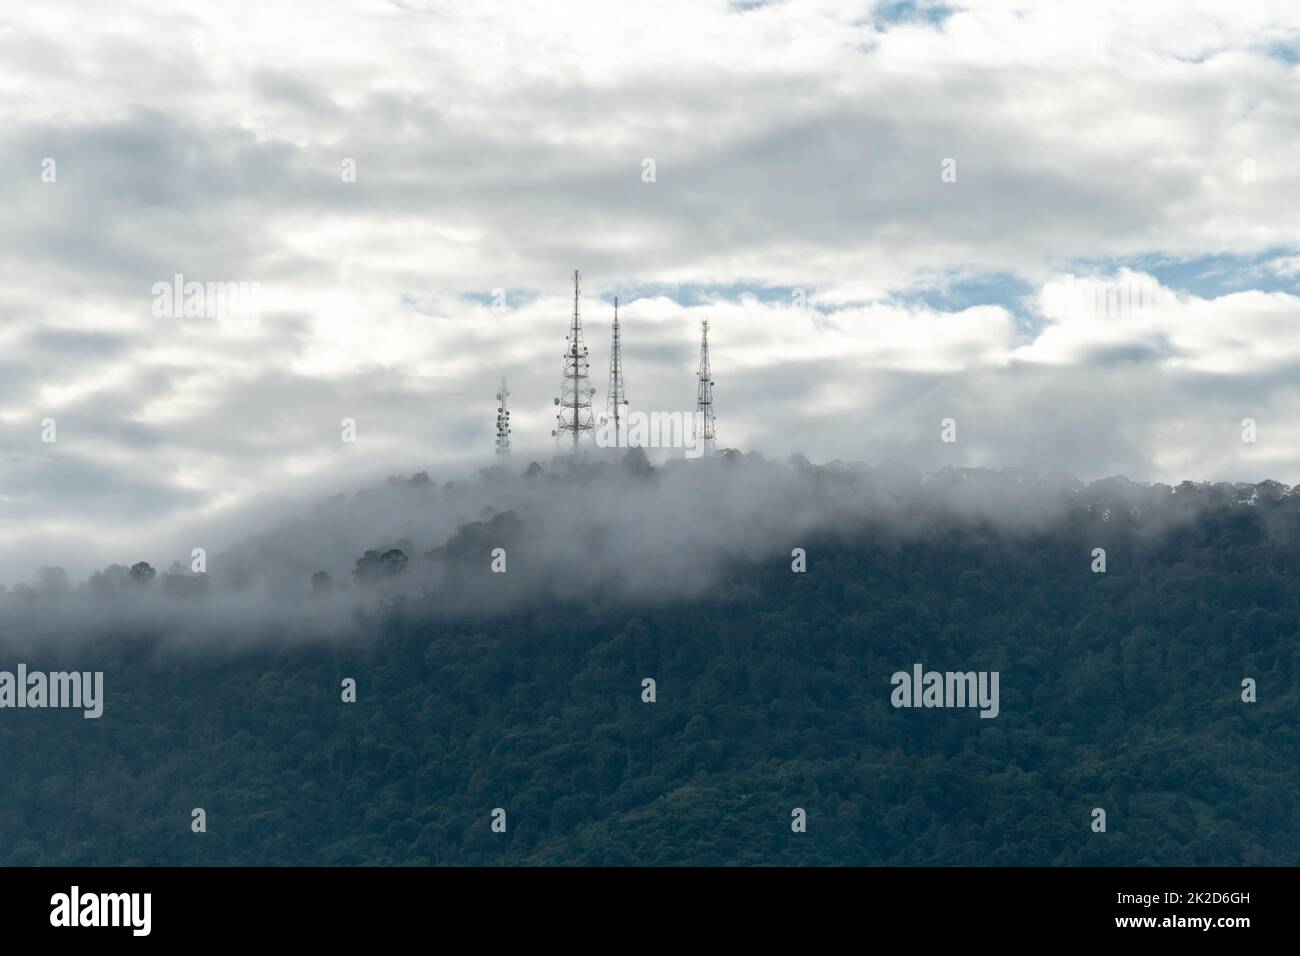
[
  {"x": 575, "y": 387},
  {"x": 503, "y": 420},
  {"x": 616, "y": 398},
  {"x": 704, "y": 393}
]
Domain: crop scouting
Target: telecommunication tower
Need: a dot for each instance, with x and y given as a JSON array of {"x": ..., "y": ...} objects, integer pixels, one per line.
[
  {"x": 503, "y": 420},
  {"x": 616, "y": 398},
  {"x": 576, "y": 392},
  {"x": 704, "y": 393}
]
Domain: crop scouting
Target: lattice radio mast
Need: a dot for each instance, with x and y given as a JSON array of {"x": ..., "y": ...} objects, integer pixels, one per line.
[
  {"x": 704, "y": 393},
  {"x": 616, "y": 398},
  {"x": 575, "y": 387}
]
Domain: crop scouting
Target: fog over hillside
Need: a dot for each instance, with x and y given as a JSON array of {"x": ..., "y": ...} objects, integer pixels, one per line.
[{"x": 604, "y": 528}]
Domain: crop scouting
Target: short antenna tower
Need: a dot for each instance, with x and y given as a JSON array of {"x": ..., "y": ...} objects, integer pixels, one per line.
[{"x": 503, "y": 420}]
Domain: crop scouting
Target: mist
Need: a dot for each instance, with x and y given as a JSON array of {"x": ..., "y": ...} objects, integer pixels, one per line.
[{"x": 605, "y": 528}]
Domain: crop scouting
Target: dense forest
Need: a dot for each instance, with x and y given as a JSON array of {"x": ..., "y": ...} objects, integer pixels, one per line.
[{"x": 1120, "y": 690}]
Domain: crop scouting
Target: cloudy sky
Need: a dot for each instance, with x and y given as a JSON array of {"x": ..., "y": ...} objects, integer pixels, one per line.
[{"x": 1072, "y": 228}]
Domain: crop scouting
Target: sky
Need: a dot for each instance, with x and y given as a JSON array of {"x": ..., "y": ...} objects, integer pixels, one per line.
[{"x": 1069, "y": 228}]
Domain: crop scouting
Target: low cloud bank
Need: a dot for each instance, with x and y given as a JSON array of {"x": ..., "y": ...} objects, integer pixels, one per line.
[{"x": 599, "y": 529}]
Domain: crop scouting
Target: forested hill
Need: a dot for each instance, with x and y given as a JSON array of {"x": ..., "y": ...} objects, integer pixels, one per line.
[{"x": 1120, "y": 690}]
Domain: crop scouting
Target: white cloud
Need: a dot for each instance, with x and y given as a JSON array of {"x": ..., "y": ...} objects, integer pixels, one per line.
[{"x": 499, "y": 145}]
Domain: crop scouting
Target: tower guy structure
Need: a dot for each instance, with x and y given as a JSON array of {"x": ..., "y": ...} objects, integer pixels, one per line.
[
  {"x": 704, "y": 394},
  {"x": 616, "y": 397},
  {"x": 503, "y": 420},
  {"x": 575, "y": 415}
]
